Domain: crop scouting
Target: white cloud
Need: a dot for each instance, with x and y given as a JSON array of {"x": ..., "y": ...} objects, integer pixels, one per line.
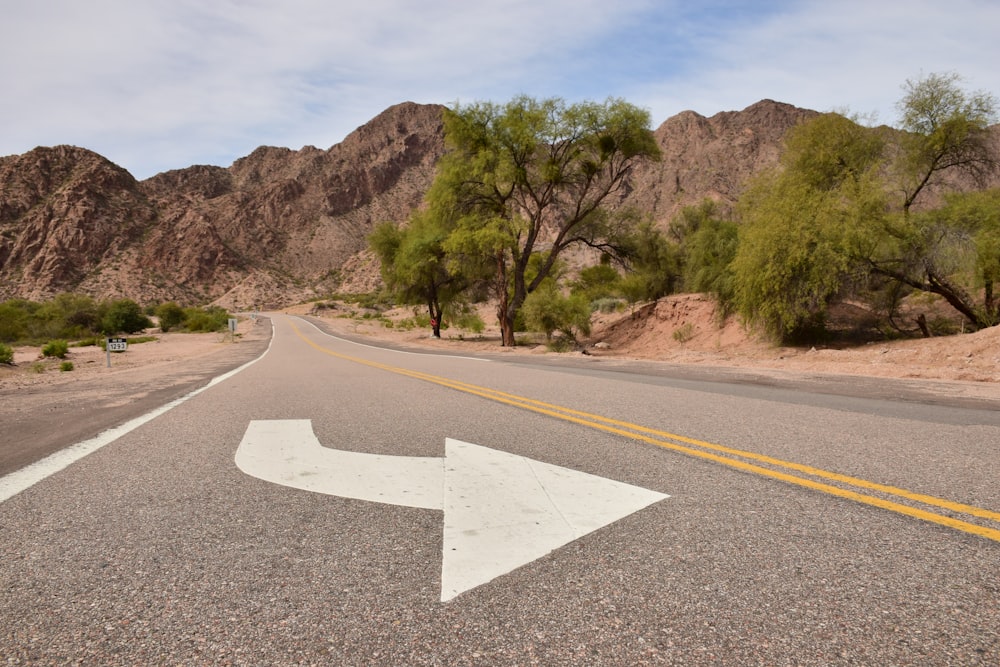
[
  {"x": 850, "y": 54},
  {"x": 155, "y": 86}
]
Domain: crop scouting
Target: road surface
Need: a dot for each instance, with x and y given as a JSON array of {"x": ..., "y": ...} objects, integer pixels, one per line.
[{"x": 336, "y": 503}]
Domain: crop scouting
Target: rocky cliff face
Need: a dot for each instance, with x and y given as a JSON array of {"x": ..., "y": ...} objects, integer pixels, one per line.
[
  {"x": 276, "y": 221},
  {"x": 280, "y": 225},
  {"x": 711, "y": 157}
]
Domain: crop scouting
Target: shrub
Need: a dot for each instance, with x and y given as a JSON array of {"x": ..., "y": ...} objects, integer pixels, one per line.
[
  {"x": 207, "y": 319},
  {"x": 6, "y": 354},
  {"x": 66, "y": 366},
  {"x": 606, "y": 305},
  {"x": 97, "y": 341},
  {"x": 14, "y": 320},
  {"x": 55, "y": 348},
  {"x": 684, "y": 333},
  {"x": 548, "y": 311},
  {"x": 124, "y": 316},
  {"x": 470, "y": 321},
  {"x": 170, "y": 315}
]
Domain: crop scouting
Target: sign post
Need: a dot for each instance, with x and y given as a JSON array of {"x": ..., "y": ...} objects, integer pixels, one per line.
[{"x": 115, "y": 345}]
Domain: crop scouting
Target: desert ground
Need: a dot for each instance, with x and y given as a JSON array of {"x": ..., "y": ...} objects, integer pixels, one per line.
[{"x": 680, "y": 330}]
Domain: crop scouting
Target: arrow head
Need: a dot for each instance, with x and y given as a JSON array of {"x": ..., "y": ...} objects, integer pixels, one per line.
[{"x": 502, "y": 511}]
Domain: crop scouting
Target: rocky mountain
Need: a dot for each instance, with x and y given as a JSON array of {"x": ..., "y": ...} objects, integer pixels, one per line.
[
  {"x": 276, "y": 222},
  {"x": 279, "y": 226}
]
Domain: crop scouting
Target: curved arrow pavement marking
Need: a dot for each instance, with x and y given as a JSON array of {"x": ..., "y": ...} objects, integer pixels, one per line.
[{"x": 501, "y": 510}]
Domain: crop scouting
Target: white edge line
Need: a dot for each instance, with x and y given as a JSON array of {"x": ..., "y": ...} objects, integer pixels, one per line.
[
  {"x": 26, "y": 477},
  {"x": 386, "y": 349}
]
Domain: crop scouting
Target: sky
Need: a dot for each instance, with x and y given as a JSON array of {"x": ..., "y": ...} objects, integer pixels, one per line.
[{"x": 154, "y": 85}]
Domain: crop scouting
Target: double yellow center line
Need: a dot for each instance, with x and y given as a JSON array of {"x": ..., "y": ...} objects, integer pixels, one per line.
[{"x": 835, "y": 484}]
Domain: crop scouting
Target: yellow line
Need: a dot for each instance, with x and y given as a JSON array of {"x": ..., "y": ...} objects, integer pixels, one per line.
[{"x": 644, "y": 434}]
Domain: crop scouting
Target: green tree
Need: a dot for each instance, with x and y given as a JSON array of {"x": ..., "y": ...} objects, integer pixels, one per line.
[
  {"x": 838, "y": 216},
  {"x": 69, "y": 316},
  {"x": 15, "y": 315},
  {"x": 415, "y": 267},
  {"x": 532, "y": 175},
  {"x": 123, "y": 316},
  {"x": 946, "y": 131},
  {"x": 799, "y": 223},
  {"x": 548, "y": 310},
  {"x": 653, "y": 262},
  {"x": 708, "y": 247},
  {"x": 600, "y": 281}
]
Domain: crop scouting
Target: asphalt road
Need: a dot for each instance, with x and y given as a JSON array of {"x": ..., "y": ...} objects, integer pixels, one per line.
[{"x": 774, "y": 524}]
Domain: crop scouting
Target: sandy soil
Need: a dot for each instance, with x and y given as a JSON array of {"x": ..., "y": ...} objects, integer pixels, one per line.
[{"x": 677, "y": 330}]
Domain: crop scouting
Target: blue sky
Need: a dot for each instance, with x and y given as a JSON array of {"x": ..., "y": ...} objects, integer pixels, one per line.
[{"x": 155, "y": 85}]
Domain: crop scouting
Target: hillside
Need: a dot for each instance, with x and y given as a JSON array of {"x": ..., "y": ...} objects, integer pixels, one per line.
[
  {"x": 272, "y": 228},
  {"x": 281, "y": 225}
]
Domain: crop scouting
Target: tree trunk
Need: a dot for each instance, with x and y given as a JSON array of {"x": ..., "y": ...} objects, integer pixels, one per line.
[
  {"x": 505, "y": 314},
  {"x": 935, "y": 284},
  {"x": 506, "y": 327},
  {"x": 922, "y": 323},
  {"x": 435, "y": 311}
]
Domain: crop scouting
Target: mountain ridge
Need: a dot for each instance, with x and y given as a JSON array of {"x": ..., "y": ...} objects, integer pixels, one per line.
[{"x": 280, "y": 226}]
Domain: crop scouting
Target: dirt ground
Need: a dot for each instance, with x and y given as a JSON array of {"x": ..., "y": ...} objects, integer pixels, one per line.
[
  {"x": 32, "y": 370},
  {"x": 677, "y": 330}
]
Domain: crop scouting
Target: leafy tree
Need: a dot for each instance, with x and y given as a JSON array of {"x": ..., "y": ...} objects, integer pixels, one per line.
[
  {"x": 952, "y": 251},
  {"x": 946, "y": 131},
  {"x": 532, "y": 175},
  {"x": 69, "y": 316},
  {"x": 416, "y": 268},
  {"x": 653, "y": 261},
  {"x": 831, "y": 220},
  {"x": 709, "y": 245},
  {"x": 123, "y": 316},
  {"x": 599, "y": 281},
  {"x": 14, "y": 320},
  {"x": 798, "y": 223},
  {"x": 547, "y": 310}
]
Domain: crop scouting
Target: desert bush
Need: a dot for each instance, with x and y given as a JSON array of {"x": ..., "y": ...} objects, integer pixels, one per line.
[
  {"x": 66, "y": 366},
  {"x": 123, "y": 316},
  {"x": 15, "y": 319},
  {"x": 606, "y": 305},
  {"x": 211, "y": 318},
  {"x": 470, "y": 321},
  {"x": 55, "y": 348},
  {"x": 170, "y": 315},
  {"x": 560, "y": 344},
  {"x": 684, "y": 333},
  {"x": 6, "y": 354},
  {"x": 546, "y": 310}
]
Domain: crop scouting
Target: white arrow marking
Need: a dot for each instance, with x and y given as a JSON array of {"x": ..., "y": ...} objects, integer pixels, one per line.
[{"x": 501, "y": 511}]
